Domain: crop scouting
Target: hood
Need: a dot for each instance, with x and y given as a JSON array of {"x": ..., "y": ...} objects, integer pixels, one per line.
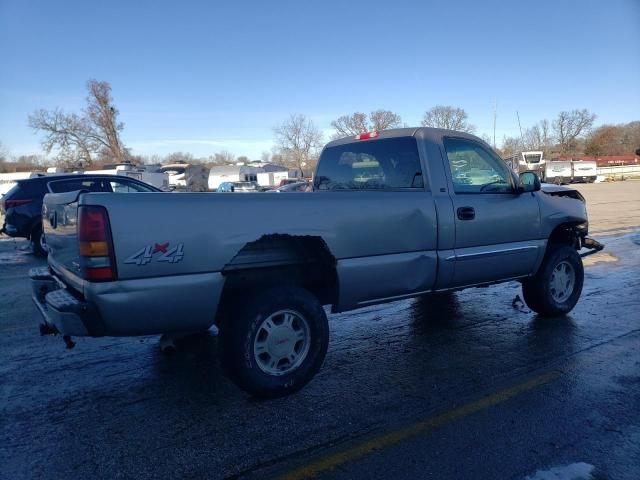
[{"x": 561, "y": 191}]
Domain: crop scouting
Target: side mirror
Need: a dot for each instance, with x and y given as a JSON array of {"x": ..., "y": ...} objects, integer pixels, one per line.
[{"x": 528, "y": 182}]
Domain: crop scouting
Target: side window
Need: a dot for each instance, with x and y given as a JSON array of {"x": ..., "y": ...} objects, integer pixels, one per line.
[
  {"x": 79, "y": 184},
  {"x": 121, "y": 186},
  {"x": 476, "y": 170},
  {"x": 383, "y": 164}
]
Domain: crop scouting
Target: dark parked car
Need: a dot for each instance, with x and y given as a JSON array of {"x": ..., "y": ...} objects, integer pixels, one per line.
[
  {"x": 225, "y": 187},
  {"x": 294, "y": 187},
  {"x": 21, "y": 207}
]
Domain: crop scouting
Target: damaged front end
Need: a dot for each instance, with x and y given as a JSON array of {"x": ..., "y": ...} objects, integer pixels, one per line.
[{"x": 565, "y": 215}]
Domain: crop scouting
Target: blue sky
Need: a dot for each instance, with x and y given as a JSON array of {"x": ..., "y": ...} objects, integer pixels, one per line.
[{"x": 207, "y": 76}]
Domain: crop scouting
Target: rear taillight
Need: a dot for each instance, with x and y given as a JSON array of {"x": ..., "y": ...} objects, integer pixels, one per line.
[
  {"x": 366, "y": 136},
  {"x": 96, "y": 249},
  {"x": 16, "y": 203}
]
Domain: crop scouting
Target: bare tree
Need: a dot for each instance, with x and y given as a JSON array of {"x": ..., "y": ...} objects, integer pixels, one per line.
[
  {"x": 510, "y": 145},
  {"x": 178, "y": 157},
  {"x": 378, "y": 120},
  {"x": 350, "y": 125},
  {"x": 383, "y": 120},
  {"x": 70, "y": 134},
  {"x": 4, "y": 154},
  {"x": 83, "y": 137},
  {"x": 298, "y": 140},
  {"x": 242, "y": 159},
  {"x": 486, "y": 139},
  {"x": 103, "y": 118},
  {"x": 265, "y": 157},
  {"x": 445, "y": 116},
  {"x": 224, "y": 158},
  {"x": 569, "y": 126}
]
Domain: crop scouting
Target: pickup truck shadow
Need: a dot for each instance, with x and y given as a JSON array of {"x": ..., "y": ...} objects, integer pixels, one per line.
[
  {"x": 193, "y": 369},
  {"x": 435, "y": 311}
]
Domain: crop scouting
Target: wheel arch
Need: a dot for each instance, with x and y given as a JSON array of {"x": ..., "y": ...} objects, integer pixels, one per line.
[
  {"x": 568, "y": 233},
  {"x": 281, "y": 259}
]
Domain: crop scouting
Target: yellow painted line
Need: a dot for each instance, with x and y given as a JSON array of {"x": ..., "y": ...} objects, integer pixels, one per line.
[{"x": 389, "y": 439}]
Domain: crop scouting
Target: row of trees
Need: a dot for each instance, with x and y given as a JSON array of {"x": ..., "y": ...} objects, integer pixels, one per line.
[
  {"x": 93, "y": 135},
  {"x": 564, "y": 135},
  {"x": 619, "y": 139},
  {"x": 572, "y": 133},
  {"x": 298, "y": 140}
]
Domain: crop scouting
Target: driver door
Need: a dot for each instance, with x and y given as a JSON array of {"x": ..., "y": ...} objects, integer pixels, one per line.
[{"x": 497, "y": 229}]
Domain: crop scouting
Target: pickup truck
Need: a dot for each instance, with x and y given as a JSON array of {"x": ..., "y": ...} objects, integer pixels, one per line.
[{"x": 393, "y": 214}]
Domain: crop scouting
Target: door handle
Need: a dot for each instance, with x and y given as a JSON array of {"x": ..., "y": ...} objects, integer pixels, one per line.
[{"x": 466, "y": 213}]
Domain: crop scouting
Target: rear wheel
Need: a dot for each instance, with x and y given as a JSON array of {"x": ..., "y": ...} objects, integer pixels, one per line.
[
  {"x": 557, "y": 286},
  {"x": 39, "y": 243},
  {"x": 276, "y": 342}
]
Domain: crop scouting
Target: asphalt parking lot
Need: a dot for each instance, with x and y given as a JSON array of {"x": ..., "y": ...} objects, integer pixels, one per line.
[{"x": 467, "y": 386}]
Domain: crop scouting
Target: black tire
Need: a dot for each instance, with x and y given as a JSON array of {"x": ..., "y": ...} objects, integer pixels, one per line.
[
  {"x": 538, "y": 291},
  {"x": 37, "y": 243},
  {"x": 242, "y": 325}
]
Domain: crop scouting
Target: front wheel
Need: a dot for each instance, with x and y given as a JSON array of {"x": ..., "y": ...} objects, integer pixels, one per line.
[
  {"x": 276, "y": 342},
  {"x": 557, "y": 286}
]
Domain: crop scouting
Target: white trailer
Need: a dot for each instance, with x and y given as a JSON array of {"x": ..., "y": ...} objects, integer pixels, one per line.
[
  {"x": 584, "y": 171},
  {"x": 272, "y": 179},
  {"x": 558, "y": 172},
  {"x": 144, "y": 173},
  {"x": 533, "y": 161}
]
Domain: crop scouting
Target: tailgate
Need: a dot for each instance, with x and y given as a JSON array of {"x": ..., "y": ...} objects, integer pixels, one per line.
[{"x": 59, "y": 222}]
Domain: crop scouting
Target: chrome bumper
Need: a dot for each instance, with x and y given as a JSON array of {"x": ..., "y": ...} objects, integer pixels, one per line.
[{"x": 62, "y": 311}]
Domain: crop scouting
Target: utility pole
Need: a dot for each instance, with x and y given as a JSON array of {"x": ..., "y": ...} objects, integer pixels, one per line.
[
  {"x": 495, "y": 108},
  {"x": 520, "y": 127}
]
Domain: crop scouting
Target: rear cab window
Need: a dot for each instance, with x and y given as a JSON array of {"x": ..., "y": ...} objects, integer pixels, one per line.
[{"x": 381, "y": 164}]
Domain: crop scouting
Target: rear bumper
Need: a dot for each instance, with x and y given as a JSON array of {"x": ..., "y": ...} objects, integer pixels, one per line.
[
  {"x": 149, "y": 306},
  {"x": 559, "y": 180},
  {"x": 585, "y": 178},
  {"x": 61, "y": 310}
]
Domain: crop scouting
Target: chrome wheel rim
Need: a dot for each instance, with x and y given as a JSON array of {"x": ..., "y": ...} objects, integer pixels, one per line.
[
  {"x": 563, "y": 279},
  {"x": 282, "y": 342}
]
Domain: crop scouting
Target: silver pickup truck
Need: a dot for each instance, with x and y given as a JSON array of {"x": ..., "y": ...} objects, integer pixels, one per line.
[{"x": 392, "y": 215}]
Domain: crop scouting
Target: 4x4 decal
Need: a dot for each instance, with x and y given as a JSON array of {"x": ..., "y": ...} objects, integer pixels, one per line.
[{"x": 146, "y": 254}]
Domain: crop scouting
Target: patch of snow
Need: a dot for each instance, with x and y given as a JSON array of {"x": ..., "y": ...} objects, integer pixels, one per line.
[{"x": 574, "y": 471}]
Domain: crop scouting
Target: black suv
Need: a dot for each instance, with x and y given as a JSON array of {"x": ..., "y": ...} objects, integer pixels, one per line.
[{"x": 21, "y": 207}]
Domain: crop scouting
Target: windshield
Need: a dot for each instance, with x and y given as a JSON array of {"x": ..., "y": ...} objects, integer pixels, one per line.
[{"x": 532, "y": 158}]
